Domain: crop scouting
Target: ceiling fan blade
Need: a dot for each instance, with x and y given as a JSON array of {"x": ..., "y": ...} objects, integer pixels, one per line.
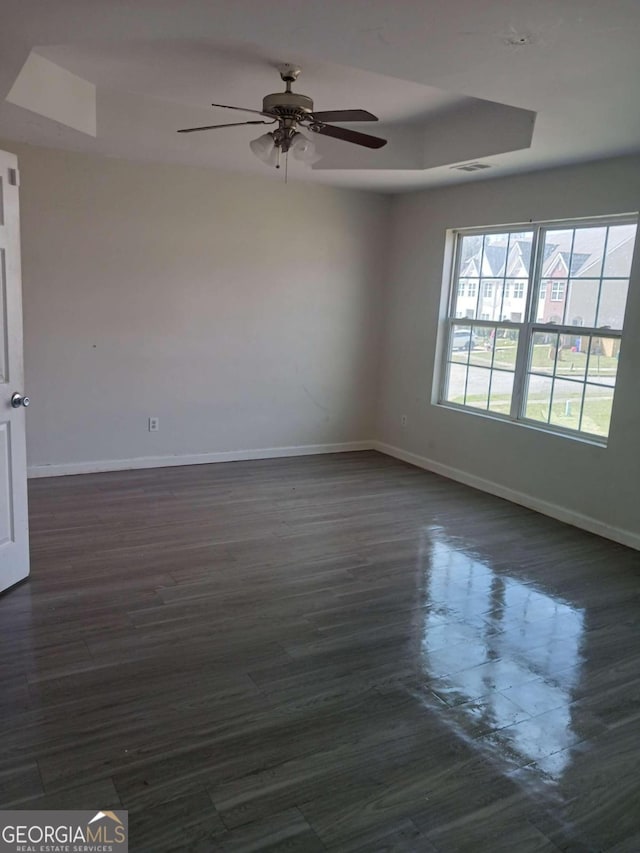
[
  {"x": 214, "y": 126},
  {"x": 345, "y": 115},
  {"x": 349, "y": 135},
  {"x": 242, "y": 109}
]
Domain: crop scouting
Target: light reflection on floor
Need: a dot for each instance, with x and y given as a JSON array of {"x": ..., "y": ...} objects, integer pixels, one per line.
[{"x": 503, "y": 655}]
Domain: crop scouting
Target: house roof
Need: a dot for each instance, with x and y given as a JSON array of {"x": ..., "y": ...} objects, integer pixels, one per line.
[
  {"x": 495, "y": 263},
  {"x": 574, "y": 262}
]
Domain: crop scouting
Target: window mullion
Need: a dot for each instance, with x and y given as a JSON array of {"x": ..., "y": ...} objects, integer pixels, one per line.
[
  {"x": 522, "y": 355},
  {"x": 568, "y": 286},
  {"x": 525, "y": 336},
  {"x": 444, "y": 381},
  {"x": 600, "y": 283},
  {"x": 481, "y": 281}
]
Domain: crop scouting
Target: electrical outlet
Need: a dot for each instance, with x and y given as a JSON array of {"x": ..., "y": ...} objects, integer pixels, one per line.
[
  {"x": 403, "y": 420},
  {"x": 154, "y": 424}
]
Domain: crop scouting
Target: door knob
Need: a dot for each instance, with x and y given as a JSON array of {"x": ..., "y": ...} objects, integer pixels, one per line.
[{"x": 18, "y": 400}]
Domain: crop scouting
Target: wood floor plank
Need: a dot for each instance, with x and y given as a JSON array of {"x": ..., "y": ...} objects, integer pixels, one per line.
[
  {"x": 281, "y": 831},
  {"x": 79, "y": 797},
  {"x": 20, "y": 782},
  {"x": 183, "y": 823}
]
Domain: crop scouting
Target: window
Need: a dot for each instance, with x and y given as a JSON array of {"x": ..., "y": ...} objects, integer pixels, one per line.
[
  {"x": 488, "y": 290},
  {"x": 462, "y": 288},
  {"x": 472, "y": 288},
  {"x": 554, "y": 363}
]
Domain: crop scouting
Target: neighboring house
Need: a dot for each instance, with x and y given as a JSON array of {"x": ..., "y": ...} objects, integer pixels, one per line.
[
  {"x": 559, "y": 267},
  {"x": 492, "y": 283},
  {"x": 613, "y": 293},
  {"x": 495, "y": 282}
]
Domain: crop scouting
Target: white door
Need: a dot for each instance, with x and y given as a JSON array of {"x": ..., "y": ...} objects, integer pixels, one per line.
[{"x": 14, "y": 531}]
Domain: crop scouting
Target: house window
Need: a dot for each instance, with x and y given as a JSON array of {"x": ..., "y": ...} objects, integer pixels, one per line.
[
  {"x": 488, "y": 290},
  {"x": 553, "y": 366},
  {"x": 462, "y": 288},
  {"x": 472, "y": 288}
]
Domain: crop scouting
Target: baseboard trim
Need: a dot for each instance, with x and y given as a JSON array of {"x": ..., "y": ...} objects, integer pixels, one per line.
[
  {"x": 560, "y": 513},
  {"x": 96, "y": 467}
]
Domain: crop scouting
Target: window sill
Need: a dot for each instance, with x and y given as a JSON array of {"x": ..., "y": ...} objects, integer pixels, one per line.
[{"x": 557, "y": 432}]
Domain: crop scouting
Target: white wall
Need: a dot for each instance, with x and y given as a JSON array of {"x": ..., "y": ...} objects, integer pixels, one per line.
[
  {"x": 589, "y": 485},
  {"x": 241, "y": 311},
  {"x": 247, "y": 315}
]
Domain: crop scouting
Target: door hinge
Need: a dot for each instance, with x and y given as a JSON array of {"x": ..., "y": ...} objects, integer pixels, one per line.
[{"x": 14, "y": 177}]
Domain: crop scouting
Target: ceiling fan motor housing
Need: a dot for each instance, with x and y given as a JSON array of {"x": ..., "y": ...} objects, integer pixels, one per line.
[{"x": 287, "y": 104}]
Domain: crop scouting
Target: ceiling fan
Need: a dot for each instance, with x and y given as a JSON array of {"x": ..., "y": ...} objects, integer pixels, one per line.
[{"x": 291, "y": 110}]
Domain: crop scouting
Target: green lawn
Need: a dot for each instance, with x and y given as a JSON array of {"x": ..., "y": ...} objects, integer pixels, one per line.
[
  {"x": 565, "y": 411},
  {"x": 569, "y": 363},
  {"x": 595, "y": 419}
]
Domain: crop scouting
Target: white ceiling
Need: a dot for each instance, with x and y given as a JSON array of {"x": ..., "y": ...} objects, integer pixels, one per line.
[{"x": 427, "y": 69}]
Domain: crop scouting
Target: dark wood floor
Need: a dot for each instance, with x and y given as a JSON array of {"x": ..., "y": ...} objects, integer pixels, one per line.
[{"x": 338, "y": 653}]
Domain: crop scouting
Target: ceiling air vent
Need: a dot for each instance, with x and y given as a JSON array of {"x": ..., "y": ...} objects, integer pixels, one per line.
[{"x": 472, "y": 167}]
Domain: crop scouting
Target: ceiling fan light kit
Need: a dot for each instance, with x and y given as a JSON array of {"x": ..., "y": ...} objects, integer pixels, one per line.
[
  {"x": 268, "y": 147},
  {"x": 304, "y": 149},
  {"x": 291, "y": 110},
  {"x": 264, "y": 148}
]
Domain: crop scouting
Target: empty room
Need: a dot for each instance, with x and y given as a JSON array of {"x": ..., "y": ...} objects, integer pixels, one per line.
[{"x": 319, "y": 358}]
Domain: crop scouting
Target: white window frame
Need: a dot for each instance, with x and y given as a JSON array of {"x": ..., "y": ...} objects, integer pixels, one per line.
[{"x": 530, "y": 325}]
